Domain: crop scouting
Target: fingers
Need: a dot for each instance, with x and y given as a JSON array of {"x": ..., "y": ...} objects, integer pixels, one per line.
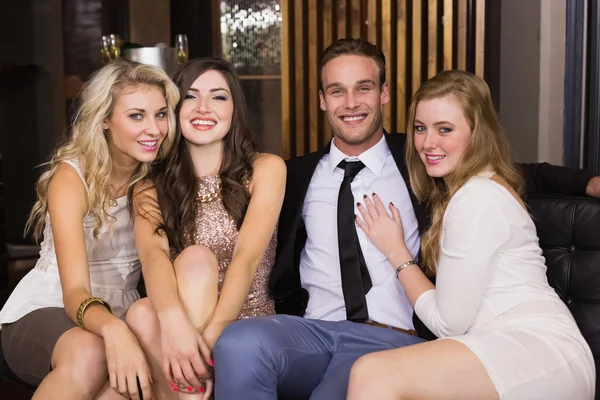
[
  {"x": 190, "y": 376},
  {"x": 143, "y": 382},
  {"x": 166, "y": 368},
  {"x": 366, "y": 216},
  {"x": 379, "y": 205},
  {"x": 209, "y": 388},
  {"x": 122, "y": 385},
  {"x": 199, "y": 367},
  {"x": 373, "y": 212},
  {"x": 178, "y": 377},
  {"x": 361, "y": 224},
  {"x": 395, "y": 213},
  {"x": 206, "y": 352},
  {"x": 132, "y": 387}
]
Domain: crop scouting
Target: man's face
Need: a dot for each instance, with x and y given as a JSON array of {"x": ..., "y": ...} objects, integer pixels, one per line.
[{"x": 353, "y": 101}]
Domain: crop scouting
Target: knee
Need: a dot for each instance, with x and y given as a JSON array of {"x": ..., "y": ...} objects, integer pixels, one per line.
[
  {"x": 142, "y": 320},
  {"x": 241, "y": 340},
  {"x": 196, "y": 262},
  {"x": 85, "y": 362},
  {"x": 361, "y": 374}
]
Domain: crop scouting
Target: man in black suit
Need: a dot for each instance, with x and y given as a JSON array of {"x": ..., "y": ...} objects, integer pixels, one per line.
[{"x": 336, "y": 295}]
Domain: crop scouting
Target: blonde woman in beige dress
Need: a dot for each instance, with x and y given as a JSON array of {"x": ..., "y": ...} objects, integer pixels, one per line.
[
  {"x": 205, "y": 232},
  {"x": 63, "y": 326}
]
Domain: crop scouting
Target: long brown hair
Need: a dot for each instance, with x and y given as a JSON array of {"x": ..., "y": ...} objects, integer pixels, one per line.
[
  {"x": 175, "y": 181},
  {"x": 487, "y": 147}
]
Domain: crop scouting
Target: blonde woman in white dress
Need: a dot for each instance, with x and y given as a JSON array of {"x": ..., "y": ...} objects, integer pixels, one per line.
[
  {"x": 505, "y": 333},
  {"x": 63, "y": 327}
]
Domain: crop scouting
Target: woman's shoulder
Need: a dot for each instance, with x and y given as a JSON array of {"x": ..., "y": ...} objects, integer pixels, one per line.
[
  {"x": 269, "y": 168},
  {"x": 268, "y": 161}
]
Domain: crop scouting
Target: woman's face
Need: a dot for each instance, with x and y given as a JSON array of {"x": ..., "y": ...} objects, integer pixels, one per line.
[
  {"x": 206, "y": 110},
  {"x": 441, "y": 135},
  {"x": 137, "y": 125}
]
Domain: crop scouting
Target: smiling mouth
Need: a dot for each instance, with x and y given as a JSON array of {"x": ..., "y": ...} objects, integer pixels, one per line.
[
  {"x": 148, "y": 143},
  {"x": 353, "y": 118},
  {"x": 203, "y": 122}
]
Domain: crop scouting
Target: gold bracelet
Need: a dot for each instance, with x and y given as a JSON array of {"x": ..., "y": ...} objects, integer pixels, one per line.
[
  {"x": 405, "y": 265},
  {"x": 84, "y": 305}
]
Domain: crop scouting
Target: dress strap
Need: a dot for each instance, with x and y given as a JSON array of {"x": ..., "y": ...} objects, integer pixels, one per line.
[{"x": 75, "y": 164}]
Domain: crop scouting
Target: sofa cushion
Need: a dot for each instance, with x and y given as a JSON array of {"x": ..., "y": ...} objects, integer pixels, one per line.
[{"x": 569, "y": 232}]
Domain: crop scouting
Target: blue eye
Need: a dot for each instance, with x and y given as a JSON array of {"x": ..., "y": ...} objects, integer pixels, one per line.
[
  {"x": 136, "y": 117},
  {"x": 445, "y": 130},
  {"x": 420, "y": 128},
  {"x": 161, "y": 115}
]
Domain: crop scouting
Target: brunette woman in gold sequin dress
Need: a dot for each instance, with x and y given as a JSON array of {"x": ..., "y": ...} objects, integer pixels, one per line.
[{"x": 205, "y": 232}]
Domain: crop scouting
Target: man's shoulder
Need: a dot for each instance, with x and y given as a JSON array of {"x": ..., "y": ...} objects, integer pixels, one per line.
[
  {"x": 396, "y": 138},
  {"x": 300, "y": 163}
]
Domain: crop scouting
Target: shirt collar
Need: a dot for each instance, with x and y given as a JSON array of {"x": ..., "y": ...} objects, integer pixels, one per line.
[{"x": 373, "y": 158}]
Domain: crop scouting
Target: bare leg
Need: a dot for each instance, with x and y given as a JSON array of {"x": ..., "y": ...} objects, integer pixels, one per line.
[
  {"x": 108, "y": 393},
  {"x": 442, "y": 369},
  {"x": 79, "y": 368},
  {"x": 197, "y": 273}
]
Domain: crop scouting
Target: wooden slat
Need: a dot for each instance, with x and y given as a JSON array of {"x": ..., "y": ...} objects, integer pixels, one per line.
[
  {"x": 461, "y": 51},
  {"x": 479, "y": 37},
  {"x": 386, "y": 47},
  {"x": 384, "y": 23},
  {"x": 355, "y": 21},
  {"x": 286, "y": 87},
  {"x": 416, "y": 46},
  {"x": 342, "y": 15},
  {"x": 448, "y": 30},
  {"x": 373, "y": 22},
  {"x": 299, "y": 64},
  {"x": 313, "y": 91},
  {"x": 432, "y": 27},
  {"x": 401, "y": 83},
  {"x": 327, "y": 40}
]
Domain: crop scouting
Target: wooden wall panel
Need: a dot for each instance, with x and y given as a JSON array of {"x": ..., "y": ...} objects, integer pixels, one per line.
[{"x": 418, "y": 37}]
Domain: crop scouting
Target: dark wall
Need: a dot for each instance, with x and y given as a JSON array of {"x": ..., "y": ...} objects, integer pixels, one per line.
[
  {"x": 26, "y": 112},
  {"x": 195, "y": 19}
]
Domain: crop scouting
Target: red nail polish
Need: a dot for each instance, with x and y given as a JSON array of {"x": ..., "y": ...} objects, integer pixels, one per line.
[
  {"x": 172, "y": 384},
  {"x": 190, "y": 389},
  {"x": 175, "y": 388},
  {"x": 212, "y": 363},
  {"x": 201, "y": 390}
]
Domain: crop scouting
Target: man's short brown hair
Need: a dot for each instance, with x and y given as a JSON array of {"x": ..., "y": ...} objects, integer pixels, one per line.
[{"x": 351, "y": 46}]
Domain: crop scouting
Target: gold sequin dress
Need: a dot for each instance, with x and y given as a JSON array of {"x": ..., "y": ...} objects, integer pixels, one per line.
[{"x": 216, "y": 230}]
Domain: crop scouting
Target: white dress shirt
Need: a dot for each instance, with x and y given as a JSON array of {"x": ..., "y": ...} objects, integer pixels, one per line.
[{"x": 319, "y": 262}]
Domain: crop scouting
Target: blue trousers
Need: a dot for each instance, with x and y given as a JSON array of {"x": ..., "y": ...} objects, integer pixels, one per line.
[{"x": 288, "y": 357}]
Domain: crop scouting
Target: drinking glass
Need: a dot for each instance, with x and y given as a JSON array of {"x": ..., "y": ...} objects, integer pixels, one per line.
[{"x": 181, "y": 46}]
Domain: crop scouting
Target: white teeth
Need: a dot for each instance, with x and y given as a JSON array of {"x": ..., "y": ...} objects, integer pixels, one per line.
[
  {"x": 435, "y": 158},
  {"x": 356, "y": 118},
  {"x": 203, "y": 122},
  {"x": 148, "y": 144}
]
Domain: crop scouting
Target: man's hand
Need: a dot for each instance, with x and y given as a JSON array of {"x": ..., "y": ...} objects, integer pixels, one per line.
[{"x": 593, "y": 187}]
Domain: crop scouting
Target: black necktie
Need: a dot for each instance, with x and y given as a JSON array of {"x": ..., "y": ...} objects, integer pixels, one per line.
[{"x": 356, "y": 280}]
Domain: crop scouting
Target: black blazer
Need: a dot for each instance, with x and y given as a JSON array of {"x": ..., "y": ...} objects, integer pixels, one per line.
[{"x": 284, "y": 284}]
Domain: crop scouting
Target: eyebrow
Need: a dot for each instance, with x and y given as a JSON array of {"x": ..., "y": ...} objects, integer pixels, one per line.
[
  {"x": 211, "y": 90},
  {"x": 361, "y": 82},
  {"x": 436, "y": 123},
  {"x": 143, "y": 111}
]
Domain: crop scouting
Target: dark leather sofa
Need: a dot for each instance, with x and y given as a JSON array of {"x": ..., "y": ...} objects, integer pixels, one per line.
[{"x": 569, "y": 232}]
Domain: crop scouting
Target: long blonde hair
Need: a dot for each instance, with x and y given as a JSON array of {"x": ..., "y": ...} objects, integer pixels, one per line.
[
  {"x": 88, "y": 142},
  {"x": 487, "y": 147}
]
